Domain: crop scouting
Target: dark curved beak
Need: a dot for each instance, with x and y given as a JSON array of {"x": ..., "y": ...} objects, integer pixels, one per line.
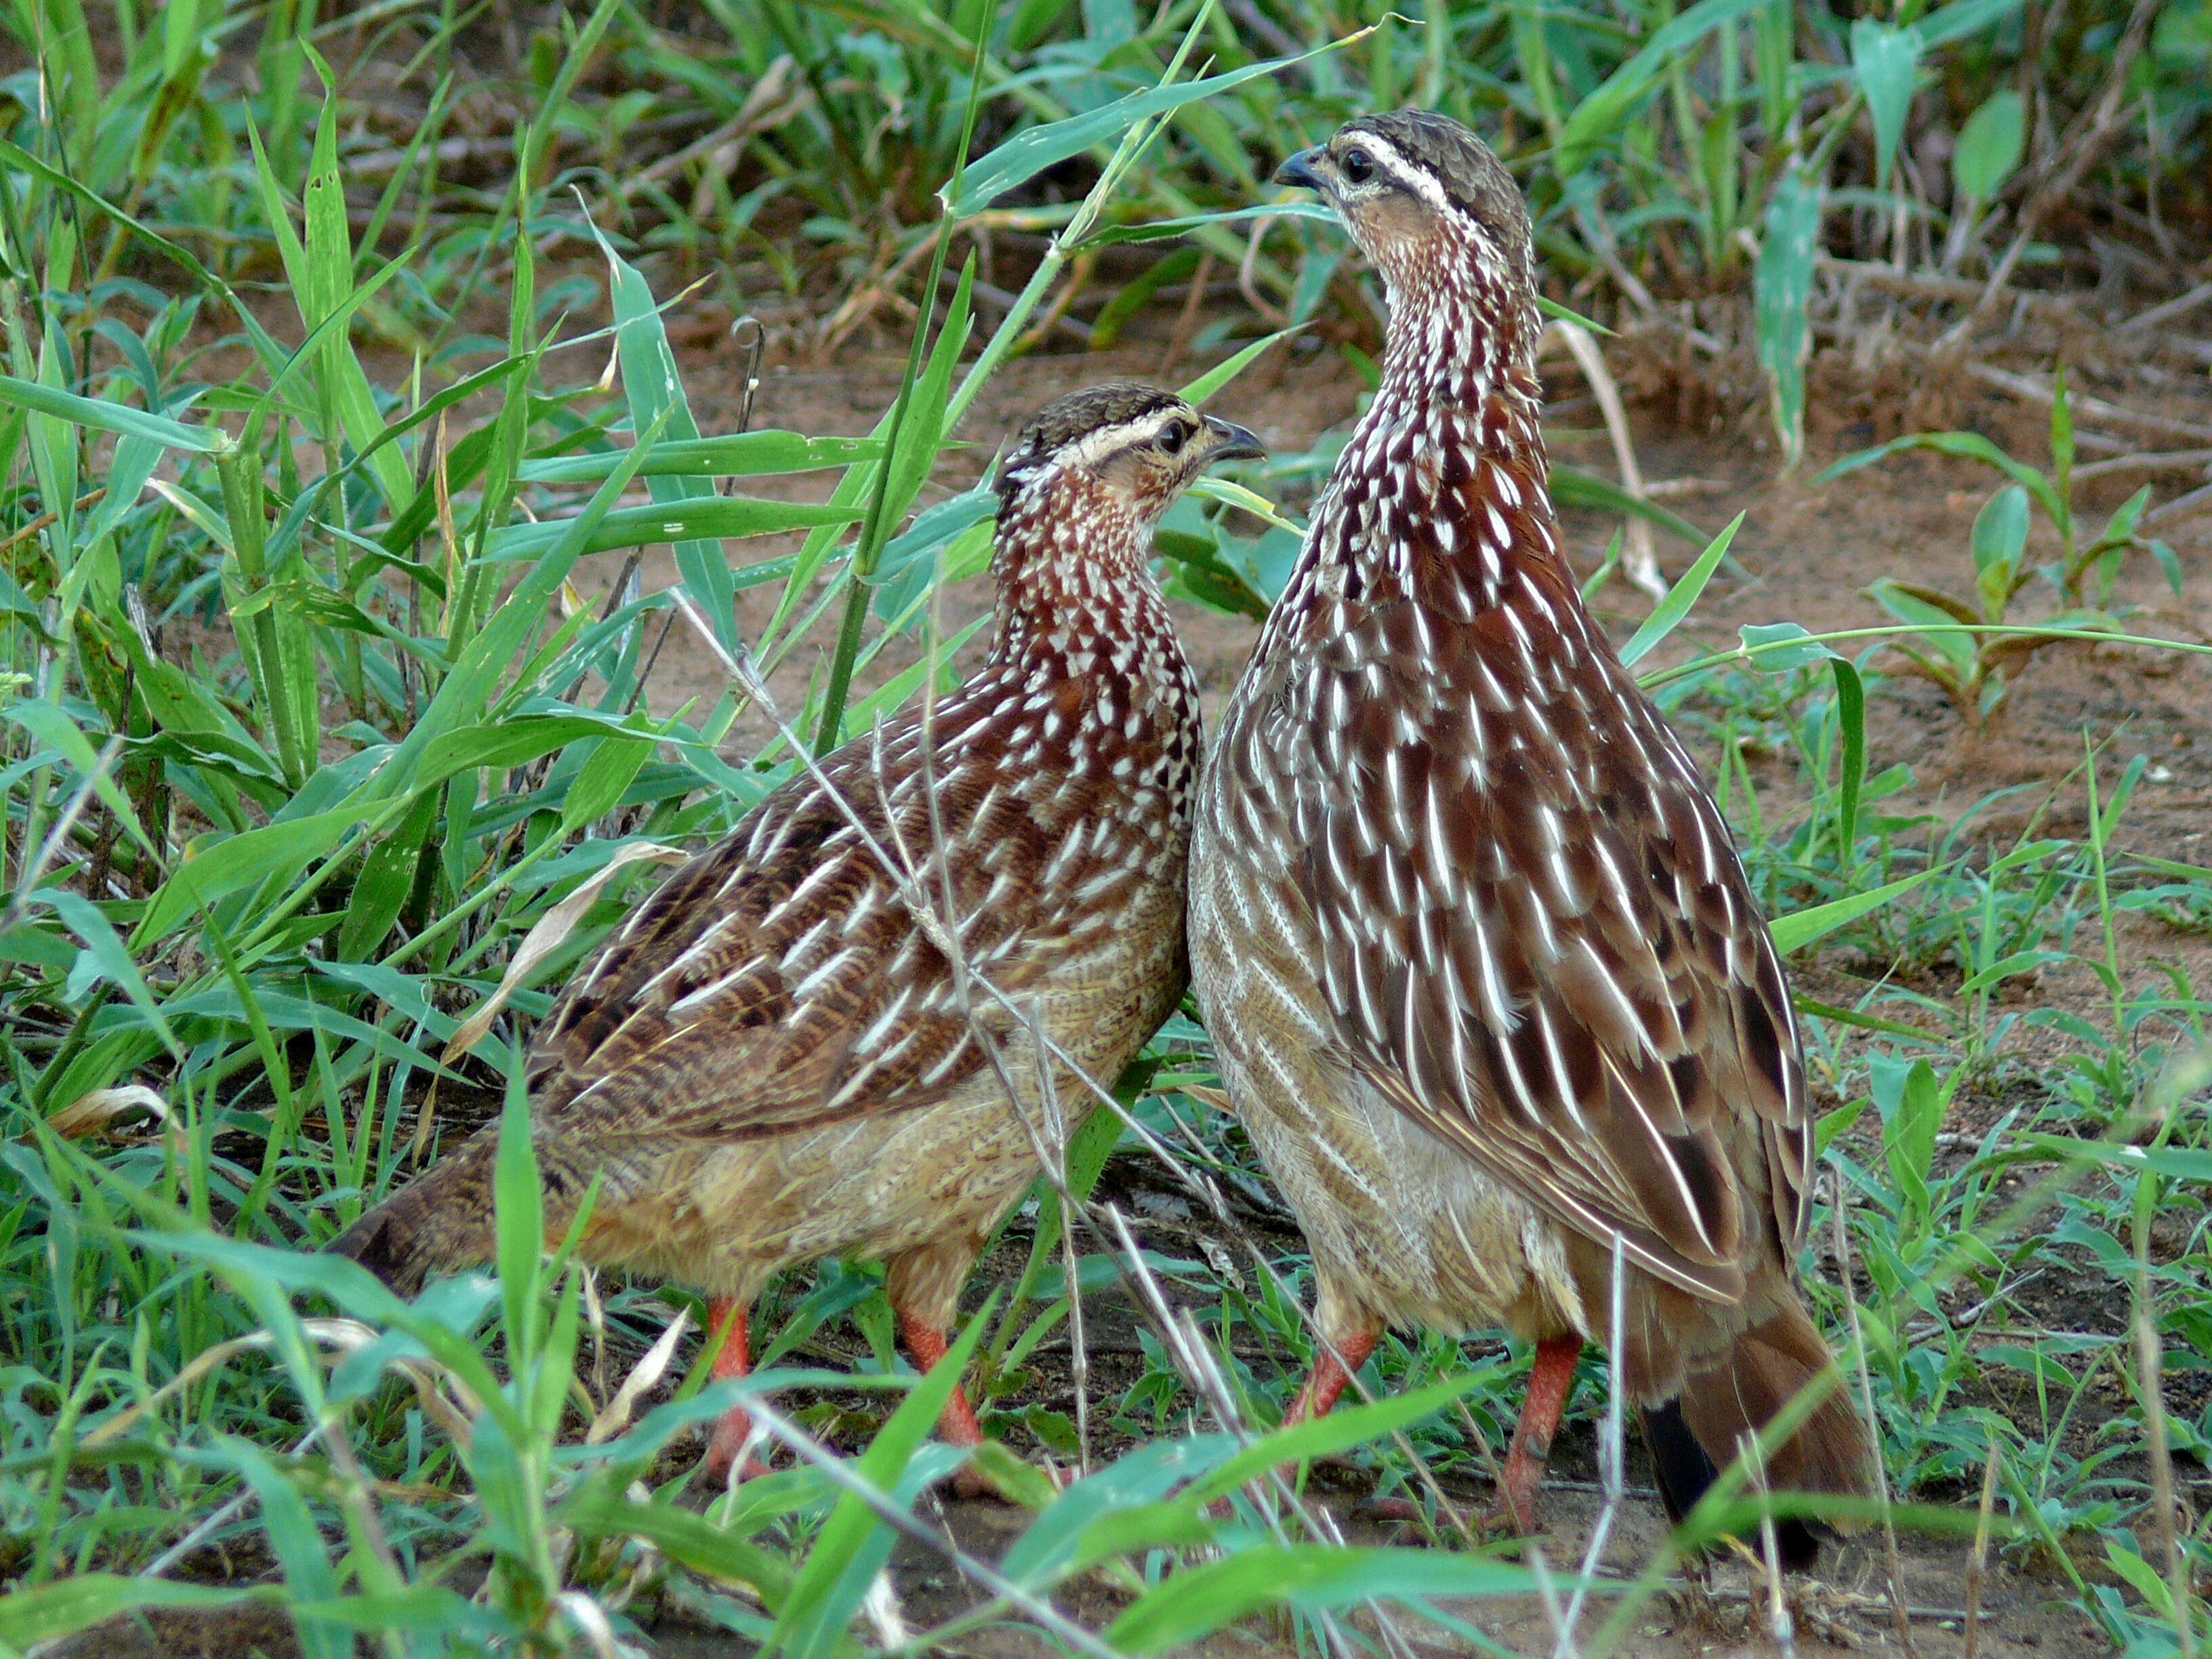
[
  {"x": 1232, "y": 442},
  {"x": 1301, "y": 169}
]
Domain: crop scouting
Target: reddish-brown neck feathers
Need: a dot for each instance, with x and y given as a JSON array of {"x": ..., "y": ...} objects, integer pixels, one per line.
[
  {"x": 1442, "y": 496},
  {"x": 1071, "y": 564}
]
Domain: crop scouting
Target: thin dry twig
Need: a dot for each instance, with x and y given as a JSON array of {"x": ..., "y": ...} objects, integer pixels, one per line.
[
  {"x": 2165, "y": 1512},
  {"x": 2177, "y": 506},
  {"x": 1779, "y": 1624},
  {"x": 1610, "y": 1453},
  {"x": 1640, "y": 560},
  {"x": 2084, "y": 402},
  {"x": 2170, "y": 460},
  {"x": 2143, "y": 321}
]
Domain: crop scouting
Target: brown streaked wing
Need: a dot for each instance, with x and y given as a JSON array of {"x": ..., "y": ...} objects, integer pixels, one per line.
[
  {"x": 1536, "y": 936},
  {"x": 778, "y": 980}
]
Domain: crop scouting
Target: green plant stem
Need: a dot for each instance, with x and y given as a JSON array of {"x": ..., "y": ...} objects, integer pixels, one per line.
[
  {"x": 239, "y": 468},
  {"x": 870, "y": 548}
]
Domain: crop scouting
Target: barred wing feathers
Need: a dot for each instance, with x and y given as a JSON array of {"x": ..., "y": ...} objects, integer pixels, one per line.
[
  {"x": 1535, "y": 933},
  {"x": 779, "y": 981}
]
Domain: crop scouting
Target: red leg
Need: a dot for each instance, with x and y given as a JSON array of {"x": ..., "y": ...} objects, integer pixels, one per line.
[
  {"x": 728, "y": 1319},
  {"x": 926, "y": 1342},
  {"x": 1331, "y": 1375},
  {"x": 1523, "y": 1477},
  {"x": 928, "y": 1345}
]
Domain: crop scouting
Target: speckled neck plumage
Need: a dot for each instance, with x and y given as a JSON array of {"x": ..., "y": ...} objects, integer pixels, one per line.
[
  {"x": 1441, "y": 497},
  {"x": 1076, "y": 594}
]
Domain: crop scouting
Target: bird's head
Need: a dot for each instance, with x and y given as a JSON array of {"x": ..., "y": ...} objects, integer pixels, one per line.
[
  {"x": 1122, "y": 448},
  {"x": 1429, "y": 204}
]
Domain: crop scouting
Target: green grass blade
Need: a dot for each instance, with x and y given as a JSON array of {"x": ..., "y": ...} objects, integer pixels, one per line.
[
  {"x": 1667, "y": 614},
  {"x": 1794, "y": 931}
]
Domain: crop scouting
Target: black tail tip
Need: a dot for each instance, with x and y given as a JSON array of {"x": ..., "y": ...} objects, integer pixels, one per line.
[{"x": 1683, "y": 1472}]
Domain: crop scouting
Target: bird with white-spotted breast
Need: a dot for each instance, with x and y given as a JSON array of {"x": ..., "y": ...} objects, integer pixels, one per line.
[
  {"x": 1488, "y": 985},
  {"x": 774, "y": 1061}
]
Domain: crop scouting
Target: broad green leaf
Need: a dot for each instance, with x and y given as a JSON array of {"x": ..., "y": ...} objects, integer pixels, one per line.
[
  {"x": 1782, "y": 648},
  {"x": 51, "y": 725},
  {"x": 653, "y": 387},
  {"x": 506, "y": 743},
  {"x": 44, "y": 1612},
  {"x": 1784, "y": 285},
  {"x": 1034, "y": 149},
  {"x": 104, "y": 416},
  {"x": 1938, "y": 626},
  {"x": 1167, "y": 230},
  {"x": 297, "y": 1541},
  {"x": 734, "y": 455},
  {"x": 1886, "y": 61},
  {"x": 2000, "y": 537},
  {"x": 1340, "y": 1431},
  {"x": 1967, "y": 17},
  {"x": 1573, "y": 487},
  {"x": 688, "y": 1538},
  {"x": 1989, "y": 148},
  {"x": 1969, "y": 446},
  {"x": 1193, "y": 1604},
  {"x": 696, "y": 520},
  {"x": 1230, "y": 367},
  {"x": 2176, "y": 1163},
  {"x": 106, "y": 947},
  {"x": 214, "y": 867},
  {"x": 1851, "y": 723},
  {"x": 518, "y": 1216},
  {"x": 387, "y": 875},
  {"x": 1061, "y": 1540},
  {"x": 1800, "y": 928}
]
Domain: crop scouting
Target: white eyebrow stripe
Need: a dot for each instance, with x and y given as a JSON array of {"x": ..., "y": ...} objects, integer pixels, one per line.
[
  {"x": 1093, "y": 447},
  {"x": 1415, "y": 178}
]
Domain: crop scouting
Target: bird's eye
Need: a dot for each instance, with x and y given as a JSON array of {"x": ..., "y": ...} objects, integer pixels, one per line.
[
  {"x": 1357, "y": 165},
  {"x": 1173, "y": 436}
]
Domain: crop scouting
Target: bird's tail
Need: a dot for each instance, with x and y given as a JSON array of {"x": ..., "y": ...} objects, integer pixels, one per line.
[
  {"x": 1739, "y": 1395},
  {"x": 440, "y": 1223}
]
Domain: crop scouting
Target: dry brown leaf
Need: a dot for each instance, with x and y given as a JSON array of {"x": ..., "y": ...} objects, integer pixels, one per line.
[
  {"x": 647, "y": 1372},
  {"x": 99, "y": 1112}
]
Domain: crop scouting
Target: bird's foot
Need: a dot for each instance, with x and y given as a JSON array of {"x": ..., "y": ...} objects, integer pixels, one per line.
[{"x": 731, "y": 1441}]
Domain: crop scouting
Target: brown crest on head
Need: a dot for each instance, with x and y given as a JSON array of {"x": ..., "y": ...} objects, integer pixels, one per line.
[{"x": 1141, "y": 444}]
